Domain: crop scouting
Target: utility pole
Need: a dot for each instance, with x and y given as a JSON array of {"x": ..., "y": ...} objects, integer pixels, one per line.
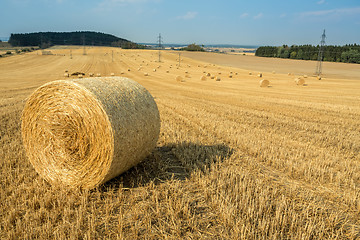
[
  {"x": 159, "y": 41},
  {"x": 318, "y": 70}
]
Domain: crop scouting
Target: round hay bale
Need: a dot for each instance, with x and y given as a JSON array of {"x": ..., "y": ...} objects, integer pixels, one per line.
[
  {"x": 203, "y": 78},
  {"x": 122, "y": 72},
  {"x": 66, "y": 71},
  {"x": 264, "y": 83},
  {"x": 208, "y": 74},
  {"x": 84, "y": 132},
  {"x": 98, "y": 75},
  {"x": 187, "y": 75},
  {"x": 179, "y": 78},
  {"x": 167, "y": 71},
  {"x": 218, "y": 79},
  {"x": 305, "y": 76},
  {"x": 146, "y": 74},
  {"x": 154, "y": 70},
  {"x": 186, "y": 72},
  {"x": 66, "y": 75},
  {"x": 299, "y": 81},
  {"x": 129, "y": 70},
  {"x": 250, "y": 73},
  {"x": 260, "y": 75},
  {"x": 212, "y": 77},
  {"x": 91, "y": 74},
  {"x": 318, "y": 77},
  {"x": 230, "y": 76},
  {"x": 112, "y": 74},
  {"x": 80, "y": 76}
]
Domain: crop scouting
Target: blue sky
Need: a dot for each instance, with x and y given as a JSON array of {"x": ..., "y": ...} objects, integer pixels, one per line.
[{"x": 256, "y": 22}]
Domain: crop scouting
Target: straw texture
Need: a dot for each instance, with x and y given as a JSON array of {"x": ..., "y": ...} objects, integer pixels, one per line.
[{"x": 84, "y": 132}]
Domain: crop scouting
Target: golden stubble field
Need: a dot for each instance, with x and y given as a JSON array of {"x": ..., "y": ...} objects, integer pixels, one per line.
[{"x": 233, "y": 161}]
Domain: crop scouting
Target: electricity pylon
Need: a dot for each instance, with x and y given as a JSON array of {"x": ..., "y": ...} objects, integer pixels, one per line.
[{"x": 318, "y": 70}]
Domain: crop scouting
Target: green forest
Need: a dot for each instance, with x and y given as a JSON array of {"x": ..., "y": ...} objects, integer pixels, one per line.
[
  {"x": 347, "y": 54},
  {"x": 48, "y": 39}
]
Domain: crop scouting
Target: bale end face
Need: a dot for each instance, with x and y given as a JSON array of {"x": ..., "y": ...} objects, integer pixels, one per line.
[{"x": 84, "y": 132}]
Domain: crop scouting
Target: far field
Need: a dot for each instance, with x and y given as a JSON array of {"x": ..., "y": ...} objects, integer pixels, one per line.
[{"x": 233, "y": 161}]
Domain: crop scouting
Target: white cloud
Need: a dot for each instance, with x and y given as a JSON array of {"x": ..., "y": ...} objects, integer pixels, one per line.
[
  {"x": 321, "y": 2},
  {"x": 260, "y": 15},
  {"x": 332, "y": 12},
  {"x": 244, "y": 15},
  {"x": 188, "y": 16}
]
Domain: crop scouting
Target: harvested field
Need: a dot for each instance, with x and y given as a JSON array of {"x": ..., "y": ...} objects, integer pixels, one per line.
[{"x": 233, "y": 160}]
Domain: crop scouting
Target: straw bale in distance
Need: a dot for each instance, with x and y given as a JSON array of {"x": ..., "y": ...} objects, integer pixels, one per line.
[
  {"x": 203, "y": 78},
  {"x": 264, "y": 83},
  {"x": 179, "y": 79},
  {"x": 250, "y": 73},
  {"x": 92, "y": 129},
  {"x": 218, "y": 78},
  {"x": 66, "y": 74},
  {"x": 80, "y": 76},
  {"x": 91, "y": 74},
  {"x": 260, "y": 75},
  {"x": 305, "y": 76},
  {"x": 208, "y": 74},
  {"x": 299, "y": 81},
  {"x": 112, "y": 74},
  {"x": 146, "y": 74},
  {"x": 98, "y": 75},
  {"x": 318, "y": 77}
]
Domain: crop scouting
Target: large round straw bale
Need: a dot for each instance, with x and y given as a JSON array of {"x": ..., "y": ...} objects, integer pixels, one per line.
[
  {"x": 299, "y": 81},
  {"x": 260, "y": 75},
  {"x": 84, "y": 132},
  {"x": 203, "y": 78},
  {"x": 264, "y": 83}
]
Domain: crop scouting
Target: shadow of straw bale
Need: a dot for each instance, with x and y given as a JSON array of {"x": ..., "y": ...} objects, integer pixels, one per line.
[{"x": 172, "y": 161}]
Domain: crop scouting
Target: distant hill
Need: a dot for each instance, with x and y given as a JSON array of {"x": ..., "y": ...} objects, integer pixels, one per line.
[{"x": 47, "y": 39}]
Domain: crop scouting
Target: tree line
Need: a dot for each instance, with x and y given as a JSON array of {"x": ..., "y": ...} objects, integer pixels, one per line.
[
  {"x": 348, "y": 53},
  {"x": 47, "y": 39}
]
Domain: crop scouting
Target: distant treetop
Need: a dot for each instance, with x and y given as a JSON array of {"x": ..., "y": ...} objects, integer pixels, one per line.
[
  {"x": 47, "y": 39},
  {"x": 193, "y": 47}
]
